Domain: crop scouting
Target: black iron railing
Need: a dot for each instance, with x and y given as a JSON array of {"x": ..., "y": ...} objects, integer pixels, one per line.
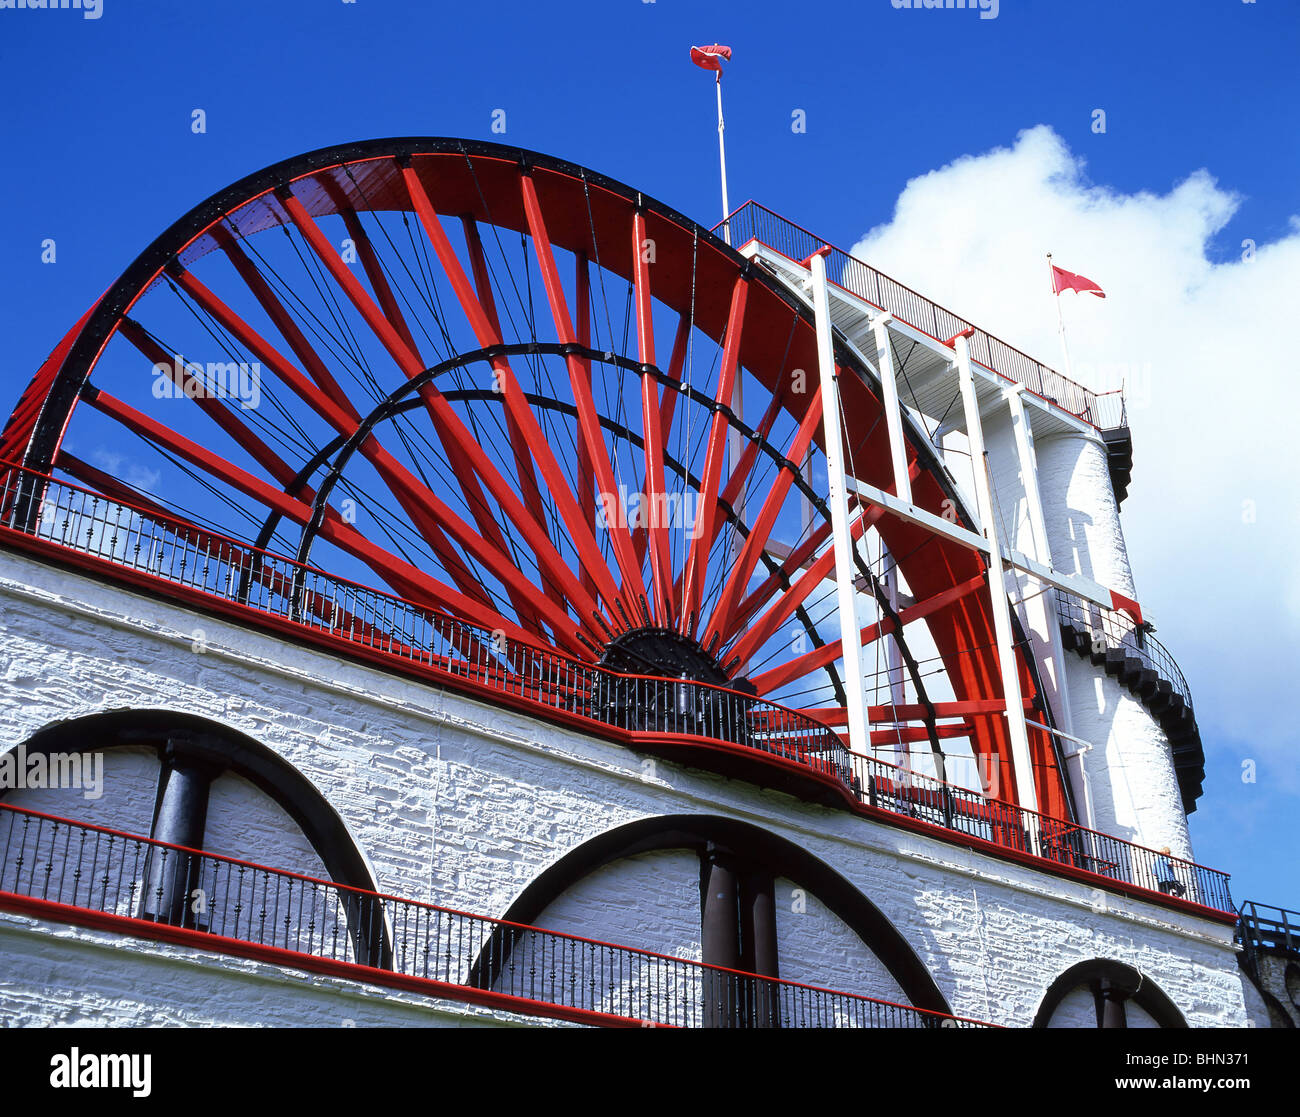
[
  {"x": 174, "y": 553},
  {"x": 961, "y": 810},
  {"x": 755, "y": 222},
  {"x": 1264, "y": 929},
  {"x": 196, "y": 559},
  {"x": 94, "y": 869},
  {"x": 1109, "y": 629}
]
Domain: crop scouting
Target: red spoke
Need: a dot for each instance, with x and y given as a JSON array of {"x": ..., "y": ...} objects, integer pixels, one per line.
[
  {"x": 518, "y": 442},
  {"x": 676, "y": 363},
  {"x": 410, "y": 363},
  {"x": 660, "y": 562},
  {"x": 829, "y": 653},
  {"x": 410, "y": 492},
  {"x": 343, "y": 417},
  {"x": 464, "y": 456},
  {"x": 586, "y": 477},
  {"x": 302, "y": 348},
  {"x": 632, "y": 591},
  {"x": 583, "y": 539},
  {"x": 741, "y": 474},
  {"x": 814, "y": 575},
  {"x": 756, "y": 541},
  {"x": 697, "y": 560},
  {"x": 213, "y": 407},
  {"x": 402, "y": 576},
  {"x": 373, "y": 269},
  {"x": 667, "y": 406}
]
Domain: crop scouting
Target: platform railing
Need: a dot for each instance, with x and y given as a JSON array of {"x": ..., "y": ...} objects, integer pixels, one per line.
[
  {"x": 1112, "y": 629},
  {"x": 1261, "y": 928},
  {"x": 64, "y": 864},
  {"x": 753, "y": 221},
  {"x": 172, "y": 552},
  {"x": 962, "y": 810}
]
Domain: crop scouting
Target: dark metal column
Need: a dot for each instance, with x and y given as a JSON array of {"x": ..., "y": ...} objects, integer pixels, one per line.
[
  {"x": 172, "y": 876},
  {"x": 1112, "y": 1004},
  {"x": 759, "y": 946},
  {"x": 720, "y": 941}
]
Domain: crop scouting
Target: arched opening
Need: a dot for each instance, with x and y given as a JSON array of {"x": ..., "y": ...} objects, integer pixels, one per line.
[
  {"x": 1106, "y": 994},
  {"x": 186, "y": 781},
  {"x": 739, "y": 867}
]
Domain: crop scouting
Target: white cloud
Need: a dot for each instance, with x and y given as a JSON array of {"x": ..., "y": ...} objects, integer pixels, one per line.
[
  {"x": 1214, "y": 389},
  {"x": 136, "y": 475}
]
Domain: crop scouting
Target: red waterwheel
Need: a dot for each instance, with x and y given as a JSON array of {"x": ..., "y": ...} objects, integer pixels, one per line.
[{"x": 508, "y": 388}]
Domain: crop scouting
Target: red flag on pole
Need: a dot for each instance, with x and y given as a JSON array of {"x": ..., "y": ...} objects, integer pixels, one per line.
[
  {"x": 1063, "y": 280},
  {"x": 710, "y": 57}
]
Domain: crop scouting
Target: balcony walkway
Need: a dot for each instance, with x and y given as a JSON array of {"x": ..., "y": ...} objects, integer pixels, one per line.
[
  {"x": 918, "y": 330},
  {"x": 71, "y": 872}
]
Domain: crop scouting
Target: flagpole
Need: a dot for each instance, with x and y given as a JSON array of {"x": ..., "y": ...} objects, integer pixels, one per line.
[
  {"x": 1060, "y": 318},
  {"x": 722, "y": 160}
]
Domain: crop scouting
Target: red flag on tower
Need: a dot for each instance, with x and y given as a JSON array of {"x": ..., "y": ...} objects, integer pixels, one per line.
[
  {"x": 1063, "y": 280},
  {"x": 710, "y": 57}
]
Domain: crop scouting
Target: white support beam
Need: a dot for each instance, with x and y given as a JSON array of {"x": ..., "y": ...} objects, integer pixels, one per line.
[
  {"x": 1024, "y": 435},
  {"x": 1022, "y": 767},
  {"x": 1029, "y": 473},
  {"x": 850, "y": 635},
  {"x": 893, "y": 655},
  {"x": 1071, "y": 583},
  {"x": 893, "y": 413},
  {"x": 903, "y": 510}
]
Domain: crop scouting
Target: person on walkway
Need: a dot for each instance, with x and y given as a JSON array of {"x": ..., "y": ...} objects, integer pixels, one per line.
[{"x": 1166, "y": 879}]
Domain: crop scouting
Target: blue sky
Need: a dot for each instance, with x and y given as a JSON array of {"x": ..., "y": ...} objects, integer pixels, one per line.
[{"x": 101, "y": 157}]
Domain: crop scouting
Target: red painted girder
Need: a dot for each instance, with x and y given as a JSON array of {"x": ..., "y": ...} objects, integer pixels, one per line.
[
  {"x": 401, "y": 575},
  {"x": 756, "y": 541},
  {"x": 741, "y": 473},
  {"x": 284, "y": 322},
  {"x": 518, "y": 442},
  {"x": 910, "y": 711},
  {"x": 225, "y": 417},
  {"x": 798, "y": 558},
  {"x": 913, "y": 733},
  {"x": 461, "y": 449},
  {"x": 698, "y": 558},
  {"x": 667, "y": 405},
  {"x": 586, "y": 478},
  {"x": 375, "y": 273},
  {"x": 676, "y": 363},
  {"x": 830, "y": 652},
  {"x": 661, "y": 572},
  {"x": 429, "y": 514},
  {"x": 790, "y": 565},
  {"x": 632, "y": 589},
  {"x": 785, "y": 606},
  {"x": 244, "y": 559},
  {"x": 20, "y": 425},
  {"x": 583, "y": 539}
]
